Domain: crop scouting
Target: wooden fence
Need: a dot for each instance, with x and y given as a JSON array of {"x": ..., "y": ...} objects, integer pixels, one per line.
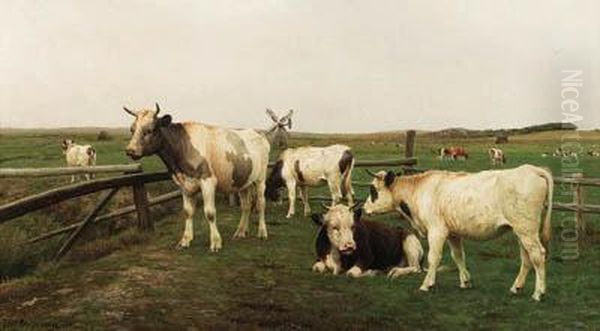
[{"x": 132, "y": 176}]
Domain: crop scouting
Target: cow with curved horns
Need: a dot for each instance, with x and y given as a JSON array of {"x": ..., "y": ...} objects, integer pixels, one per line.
[
  {"x": 205, "y": 158},
  {"x": 451, "y": 206},
  {"x": 305, "y": 167}
]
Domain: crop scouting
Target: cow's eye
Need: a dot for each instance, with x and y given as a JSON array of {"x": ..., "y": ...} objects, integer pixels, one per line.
[{"x": 148, "y": 132}]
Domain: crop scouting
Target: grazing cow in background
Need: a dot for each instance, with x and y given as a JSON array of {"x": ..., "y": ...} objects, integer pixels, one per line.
[
  {"x": 497, "y": 156},
  {"x": 453, "y": 153},
  {"x": 359, "y": 247},
  {"x": 79, "y": 156},
  {"x": 593, "y": 153},
  {"x": 305, "y": 167},
  {"x": 205, "y": 158},
  {"x": 451, "y": 206}
]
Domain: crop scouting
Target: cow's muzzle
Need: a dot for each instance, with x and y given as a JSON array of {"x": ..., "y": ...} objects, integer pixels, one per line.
[{"x": 132, "y": 154}]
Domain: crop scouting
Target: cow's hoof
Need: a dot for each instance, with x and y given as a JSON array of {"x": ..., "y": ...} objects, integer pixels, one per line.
[
  {"x": 215, "y": 248},
  {"x": 288, "y": 216},
  {"x": 466, "y": 284},
  {"x": 354, "y": 272},
  {"x": 515, "y": 290},
  {"x": 239, "y": 234},
  {"x": 262, "y": 235},
  {"x": 319, "y": 267},
  {"x": 182, "y": 245},
  {"x": 424, "y": 288},
  {"x": 537, "y": 296}
]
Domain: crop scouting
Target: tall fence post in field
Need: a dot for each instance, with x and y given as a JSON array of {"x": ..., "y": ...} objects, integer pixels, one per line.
[
  {"x": 409, "y": 151},
  {"x": 578, "y": 201},
  {"x": 140, "y": 198}
]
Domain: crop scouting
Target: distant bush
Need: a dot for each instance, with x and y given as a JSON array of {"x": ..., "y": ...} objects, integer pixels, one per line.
[{"x": 103, "y": 136}]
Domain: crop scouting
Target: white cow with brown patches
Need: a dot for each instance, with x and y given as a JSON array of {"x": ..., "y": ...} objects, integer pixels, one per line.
[
  {"x": 497, "y": 156},
  {"x": 309, "y": 166},
  {"x": 448, "y": 206},
  {"x": 205, "y": 159},
  {"x": 79, "y": 156}
]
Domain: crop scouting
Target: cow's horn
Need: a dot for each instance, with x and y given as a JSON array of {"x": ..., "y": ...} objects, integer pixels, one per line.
[
  {"x": 157, "y": 108},
  {"x": 370, "y": 173},
  {"x": 355, "y": 206},
  {"x": 130, "y": 112},
  {"x": 325, "y": 206}
]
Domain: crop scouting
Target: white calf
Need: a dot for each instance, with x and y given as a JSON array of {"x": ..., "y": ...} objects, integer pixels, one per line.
[{"x": 79, "y": 156}]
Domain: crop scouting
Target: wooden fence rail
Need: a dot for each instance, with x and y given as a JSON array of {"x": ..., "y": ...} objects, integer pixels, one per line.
[
  {"x": 37, "y": 201},
  {"x": 68, "y": 171}
]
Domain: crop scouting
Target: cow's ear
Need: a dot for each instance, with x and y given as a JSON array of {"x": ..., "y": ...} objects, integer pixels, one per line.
[
  {"x": 165, "y": 120},
  {"x": 357, "y": 214},
  {"x": 389, "y": 178},
  {"x": 317, "y": 219}
]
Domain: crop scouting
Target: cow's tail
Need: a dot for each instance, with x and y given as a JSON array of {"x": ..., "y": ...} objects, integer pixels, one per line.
[
  {"x": 346, "y": 165},
  {"x": 547, "y": 227}
]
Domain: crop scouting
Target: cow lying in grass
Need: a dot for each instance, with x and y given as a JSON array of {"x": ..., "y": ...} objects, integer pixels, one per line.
[
  {"x": 451, "y": 206},
  {"x": 305, "y": 167},
  {"x": 347, "y": 243},
  {"x": 78, "y": 156}
]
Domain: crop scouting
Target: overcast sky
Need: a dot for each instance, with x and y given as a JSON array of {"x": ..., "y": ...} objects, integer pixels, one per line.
[{"x": 344, "y": 66}]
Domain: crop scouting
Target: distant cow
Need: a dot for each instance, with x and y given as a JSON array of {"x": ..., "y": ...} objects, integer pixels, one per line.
[
  {"x": 204, "y": 158},
  {"x": 305, "y": 167},
  {"x": 451, "y": 206},
  {"x": 593, "y": 153},
  {"x": 347, "y": 243},
  {"x": 78, "y": 156},
  {"x": 497, "y": 156},
  {"x": 453, "y": 153}
]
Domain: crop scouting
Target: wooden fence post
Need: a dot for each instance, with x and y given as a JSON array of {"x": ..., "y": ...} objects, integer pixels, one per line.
[
  {"x": 410, "y": 143},
  {"x": 87, "y": 221},
  {"x": 578, "y": 201},
  {"x": 140, "y": 198}
]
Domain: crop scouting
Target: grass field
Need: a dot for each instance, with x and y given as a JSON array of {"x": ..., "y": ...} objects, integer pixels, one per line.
[{"x": 129, "y": 280}]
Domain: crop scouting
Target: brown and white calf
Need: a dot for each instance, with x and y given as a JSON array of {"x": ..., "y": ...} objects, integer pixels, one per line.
[
  {"x": 78, "y": 156},
  {"x": 497, "y": 156},
  {"x": 453, "y": 153},
  {"x": 347, "y": 243},
  {"x": 305, "y": 167},
  {"x": 451, "y": 206},
  {"x": 205, "y": 159}
]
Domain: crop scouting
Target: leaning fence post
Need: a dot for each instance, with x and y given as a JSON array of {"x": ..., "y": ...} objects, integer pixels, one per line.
[
  {"x": 140, "y": 198},
  {"x": 578, "y": 201}
]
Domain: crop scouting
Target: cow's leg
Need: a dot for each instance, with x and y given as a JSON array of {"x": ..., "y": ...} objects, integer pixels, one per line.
[
  {"x": 537, "y": 256},
  {"x": 334, "y": 183},
  {"x": 458, "y": 255},
  {"x": 304, "y": 197},
  {"x": 246, "y": 207},
  {"x": 413, "y": 251},
  {"x": 72, "y": 179},
  {"x": 291, "y": 188},
  {"x": 208, "y": 187},
  {"x": 260, "y": 206},
  {"x": 523, "y": 272},
  {"x": 189, "y": 208},
  {"x": 436, "y": 239}
]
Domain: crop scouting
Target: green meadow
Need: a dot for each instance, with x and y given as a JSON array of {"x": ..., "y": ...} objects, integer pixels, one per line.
[{"x": 117, "y": 278}]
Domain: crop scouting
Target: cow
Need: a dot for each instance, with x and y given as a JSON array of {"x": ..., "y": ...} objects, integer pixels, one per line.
[
  {"x": 348, "y": 243},
  {"x": 309, "y": 166},
  {"x": 593, "y": 153},
  {"x": 207, "y": 159},
  {"x": 78, "y": 156},
  {"x": 497, "y": 156},
  {"x": 453, "y": 153},
  {"x": 451, "y": 206}
]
